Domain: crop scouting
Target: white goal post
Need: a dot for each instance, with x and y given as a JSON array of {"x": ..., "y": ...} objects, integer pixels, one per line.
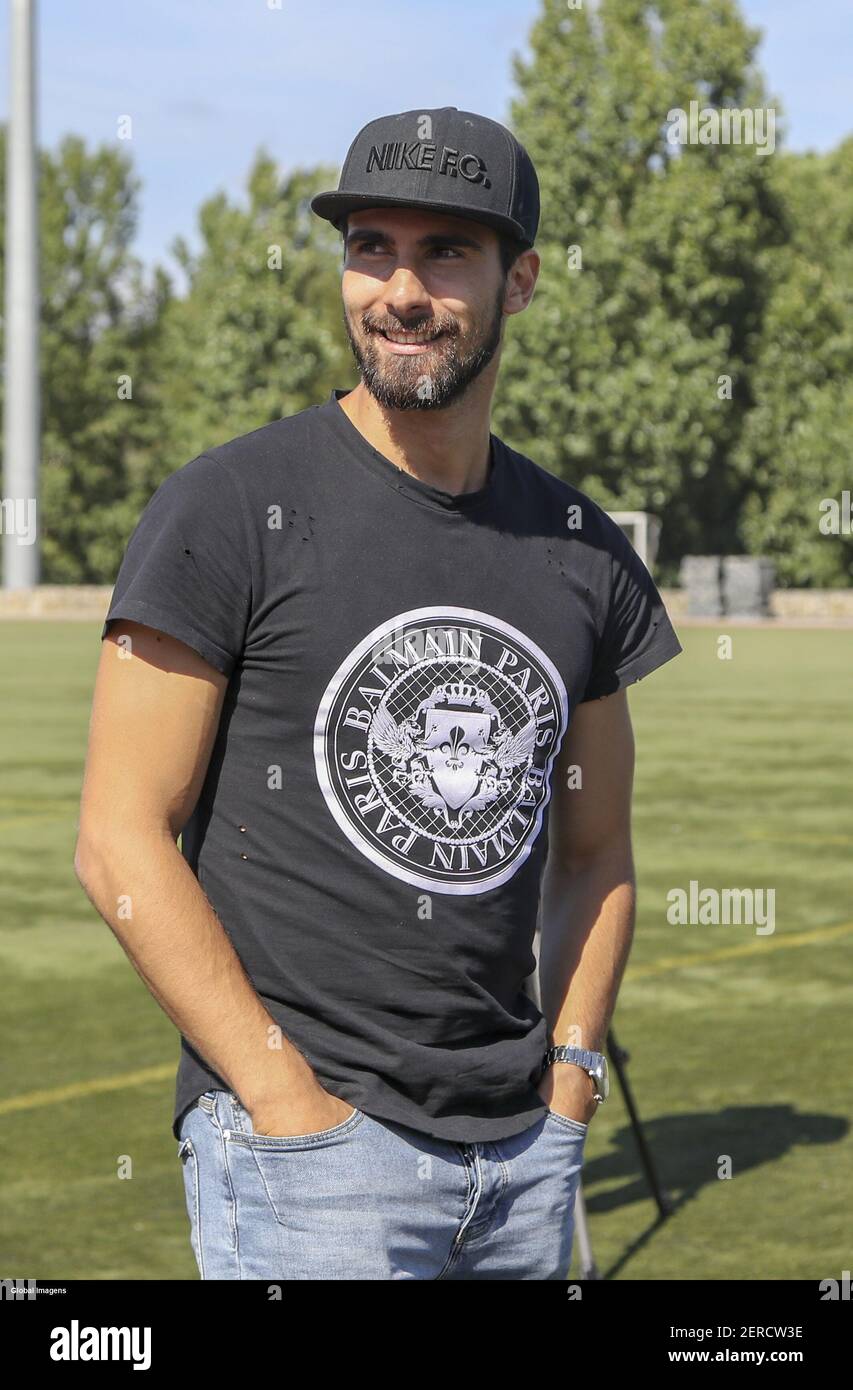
[{"x": 643, "y": 531}]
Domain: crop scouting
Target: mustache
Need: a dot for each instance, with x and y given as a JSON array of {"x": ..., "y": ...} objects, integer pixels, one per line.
[{"x": 427, "y": 325}]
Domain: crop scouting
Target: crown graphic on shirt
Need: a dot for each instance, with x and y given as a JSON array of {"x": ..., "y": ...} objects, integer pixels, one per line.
[{"x": 459, "y": 692}]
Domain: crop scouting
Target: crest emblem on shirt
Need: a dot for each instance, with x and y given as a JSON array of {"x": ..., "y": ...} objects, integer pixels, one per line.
[{"x": 433, "y": 745}]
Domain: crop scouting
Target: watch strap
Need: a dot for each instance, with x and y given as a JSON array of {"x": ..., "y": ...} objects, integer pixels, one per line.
[{"x": 582, "y": 1057}]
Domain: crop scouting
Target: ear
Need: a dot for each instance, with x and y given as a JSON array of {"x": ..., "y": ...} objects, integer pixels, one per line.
[{"x": 521, "y": 281}]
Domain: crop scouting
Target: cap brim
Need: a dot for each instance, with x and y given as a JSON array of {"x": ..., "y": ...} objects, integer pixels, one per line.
[{"x": 334, "y": 206}]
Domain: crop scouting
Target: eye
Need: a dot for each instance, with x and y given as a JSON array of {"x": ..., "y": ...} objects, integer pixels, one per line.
[{"x": 364, "y": 248}]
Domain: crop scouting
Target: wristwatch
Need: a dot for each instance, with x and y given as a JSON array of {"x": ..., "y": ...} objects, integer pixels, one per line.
[{"x": 594, "y": 1063}]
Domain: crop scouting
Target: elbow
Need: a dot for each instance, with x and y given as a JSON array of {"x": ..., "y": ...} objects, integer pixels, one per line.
[
  {"x": 84, "y": 863},
  {"x": 90, "y": 863},
  {"x": 82, "y": 870},
  {"x": 106, "y": 859},
  {"x": 613, "y": 860}
]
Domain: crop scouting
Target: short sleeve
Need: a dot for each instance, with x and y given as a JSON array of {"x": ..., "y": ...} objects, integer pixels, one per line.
[
  {"x": 637, "y": 635},
  {"x": 186, "y": 570}
]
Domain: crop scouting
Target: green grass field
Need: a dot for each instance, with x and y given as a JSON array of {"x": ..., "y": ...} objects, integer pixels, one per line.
[{"x": 740, "y": 1044}]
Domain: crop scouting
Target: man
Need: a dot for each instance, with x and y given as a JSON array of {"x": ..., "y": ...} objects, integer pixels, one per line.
[{"x": 343, "y": 653}]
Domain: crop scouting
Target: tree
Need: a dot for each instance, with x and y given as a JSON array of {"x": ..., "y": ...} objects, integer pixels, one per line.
[
  {"x": 795, "y": 447},
  {"x": 631, "y": 376},
  {"x": 135, "y": 380},
  {"x": 255, "y": 336},
  {"x": 98, "y": 324}
]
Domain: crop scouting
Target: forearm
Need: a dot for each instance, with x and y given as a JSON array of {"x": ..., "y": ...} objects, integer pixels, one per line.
[
  {"x": 587, "y": 924},
  {"x": 147, "y": 893}
]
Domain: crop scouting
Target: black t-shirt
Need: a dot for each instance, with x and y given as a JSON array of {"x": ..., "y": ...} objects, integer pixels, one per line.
[{"x": 402, "y": 667}]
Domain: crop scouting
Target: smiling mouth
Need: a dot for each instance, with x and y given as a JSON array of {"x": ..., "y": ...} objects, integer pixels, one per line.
[{"x": 401, "y": 338}]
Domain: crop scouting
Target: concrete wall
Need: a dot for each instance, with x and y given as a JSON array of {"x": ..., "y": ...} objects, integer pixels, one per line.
[
  {"x": 87, "y": 602},
  {"x": 789, "y": 605}
]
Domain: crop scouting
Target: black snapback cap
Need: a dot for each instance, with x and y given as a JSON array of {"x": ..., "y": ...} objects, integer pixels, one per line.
[{"x": 446, "y": 160}]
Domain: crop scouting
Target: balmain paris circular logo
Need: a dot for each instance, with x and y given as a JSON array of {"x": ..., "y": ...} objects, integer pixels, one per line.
[{"x": 433, "y": 745}]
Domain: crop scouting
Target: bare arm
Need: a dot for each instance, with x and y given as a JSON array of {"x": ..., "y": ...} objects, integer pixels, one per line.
[
  {"x": 588, "y": 892},
  {"x": 153, "y": 725}
]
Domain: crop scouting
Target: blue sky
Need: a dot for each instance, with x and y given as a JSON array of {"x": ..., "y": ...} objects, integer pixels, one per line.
[{"x": 209, "y": 81}]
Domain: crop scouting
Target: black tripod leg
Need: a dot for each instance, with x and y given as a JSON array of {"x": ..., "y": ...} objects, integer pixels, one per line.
[{"x": 619, "y": 1057}]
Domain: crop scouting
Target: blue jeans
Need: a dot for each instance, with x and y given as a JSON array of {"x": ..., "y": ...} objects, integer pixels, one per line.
[{"x": 371, "y": 1199}]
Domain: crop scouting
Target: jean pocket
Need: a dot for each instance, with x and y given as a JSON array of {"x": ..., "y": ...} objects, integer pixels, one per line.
[
  {"x": 307, "y": 1179},
  {"x": 189, "y": 1164},
  {"x": 576, "y": 1127},
  {"x": 313, "y": 1140}
]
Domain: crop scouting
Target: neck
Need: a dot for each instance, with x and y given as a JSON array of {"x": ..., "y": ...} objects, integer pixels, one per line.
[{"x": 448, "y": 448}]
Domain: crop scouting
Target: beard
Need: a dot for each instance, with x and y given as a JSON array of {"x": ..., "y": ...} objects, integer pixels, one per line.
[{"x": 427, "y": 380}]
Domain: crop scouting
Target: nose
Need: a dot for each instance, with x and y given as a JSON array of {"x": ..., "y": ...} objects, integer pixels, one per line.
[{"x": 404, "y": 294}]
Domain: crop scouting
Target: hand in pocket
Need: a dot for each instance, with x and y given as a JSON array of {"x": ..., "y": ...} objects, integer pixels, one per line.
[{"x": 286, "y": 1117}]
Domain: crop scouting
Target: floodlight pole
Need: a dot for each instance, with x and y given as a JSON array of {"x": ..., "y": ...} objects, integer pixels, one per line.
[{"x": 21, "y": 404}]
